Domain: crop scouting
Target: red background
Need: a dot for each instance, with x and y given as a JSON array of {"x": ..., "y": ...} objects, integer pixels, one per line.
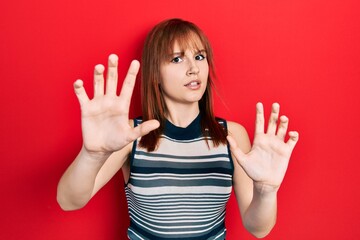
[{"x": 303, "y": 54}]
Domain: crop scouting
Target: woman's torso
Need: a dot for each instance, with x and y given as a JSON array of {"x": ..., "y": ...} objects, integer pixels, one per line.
[{"x": 180, "y": 190}]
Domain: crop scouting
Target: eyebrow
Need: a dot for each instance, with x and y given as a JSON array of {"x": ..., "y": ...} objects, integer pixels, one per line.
[{"x": 182, "y": 52}]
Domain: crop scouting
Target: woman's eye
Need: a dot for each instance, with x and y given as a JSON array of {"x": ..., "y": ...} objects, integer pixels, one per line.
[
  {"x": 176, "y": 60},
  {"x": 199, "y": 57}
]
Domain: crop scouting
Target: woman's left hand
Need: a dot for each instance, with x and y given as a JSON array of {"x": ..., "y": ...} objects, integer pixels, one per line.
[{"x": 268, "y": 159}]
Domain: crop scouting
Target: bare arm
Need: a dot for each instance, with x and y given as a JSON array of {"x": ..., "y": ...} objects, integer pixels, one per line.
[
  {"x": 107, "y": 135},
  {"x": 260, "y": 169}
]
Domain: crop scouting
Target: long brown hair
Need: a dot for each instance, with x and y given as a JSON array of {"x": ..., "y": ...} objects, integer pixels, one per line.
[{"x": 158, "y": 45}]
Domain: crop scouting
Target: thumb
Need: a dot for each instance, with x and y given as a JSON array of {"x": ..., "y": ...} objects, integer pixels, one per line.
[
  {"x": 145, "y": 127},
  {"x": 235, "y": 150}
]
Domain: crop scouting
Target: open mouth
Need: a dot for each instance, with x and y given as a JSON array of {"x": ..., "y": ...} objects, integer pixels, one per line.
[{"x": 195, "y": 83}]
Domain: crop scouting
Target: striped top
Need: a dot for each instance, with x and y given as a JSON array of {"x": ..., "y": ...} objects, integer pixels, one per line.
[{"x": 180, "y": 190}]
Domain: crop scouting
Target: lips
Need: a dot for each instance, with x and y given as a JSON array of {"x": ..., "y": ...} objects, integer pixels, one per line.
[{"x": 193, "y": 84}]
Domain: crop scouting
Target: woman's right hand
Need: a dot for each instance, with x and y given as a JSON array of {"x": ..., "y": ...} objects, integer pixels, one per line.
[{"x": 105, "y": 118}]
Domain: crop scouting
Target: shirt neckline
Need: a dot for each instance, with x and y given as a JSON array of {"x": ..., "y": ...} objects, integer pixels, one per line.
[{"x": 193, "y": 130}]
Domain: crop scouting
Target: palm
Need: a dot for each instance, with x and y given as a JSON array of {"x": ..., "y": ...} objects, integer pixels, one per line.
[
  {"x": 268, "y": 159},
  {"x": 105, "y": 120}
]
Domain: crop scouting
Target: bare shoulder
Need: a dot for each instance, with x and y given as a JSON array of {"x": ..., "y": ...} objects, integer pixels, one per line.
[
  {"x": 239, "y": 133},
  {"x": 235, "y": 128}
]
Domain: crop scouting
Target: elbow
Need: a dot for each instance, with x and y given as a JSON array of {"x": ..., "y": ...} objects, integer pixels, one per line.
[
  {"x": 258, "y": 232},
  {"x": 69, "y": 201},
  {"x": 67, "y": 205},
  {"x": 68, "y": 208}
]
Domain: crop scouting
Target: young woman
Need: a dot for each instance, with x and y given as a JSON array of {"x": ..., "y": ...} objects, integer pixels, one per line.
[{"x": 177, "y": 161}]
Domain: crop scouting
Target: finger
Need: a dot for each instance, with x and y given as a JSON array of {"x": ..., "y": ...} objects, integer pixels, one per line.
[
  {"x": 80, "y": 92},
  {"x": 144, "y": 128},
  {"x": 294, "y": 138},
  {"x": 129, "y": 83},
  {"x": 283, "y": 126},
  {"x": 236, "y": 151},
  {"x": 274, "y": 116},
  {"x": 112, "y": 75},
  {"x": 99, "y": 80},
  {"x": 259, "y": 123}
]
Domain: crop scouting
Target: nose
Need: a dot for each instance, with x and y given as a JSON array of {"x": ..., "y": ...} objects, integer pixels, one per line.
[{"x": 193, "y": 68}]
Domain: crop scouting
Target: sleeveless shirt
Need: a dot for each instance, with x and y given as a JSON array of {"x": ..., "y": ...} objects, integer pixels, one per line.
[{"x": 180, "y": 190}]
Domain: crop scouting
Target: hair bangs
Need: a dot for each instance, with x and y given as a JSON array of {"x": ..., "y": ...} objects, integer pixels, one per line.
[{"x": 186, "y": 36}]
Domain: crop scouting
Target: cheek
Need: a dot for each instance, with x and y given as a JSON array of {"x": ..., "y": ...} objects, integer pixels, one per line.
[
  {"x": 204, "y": 65},
  {"x": 168, "y": 78},
  {"x": 204, "y": 69},
  {"x": 172, "y": 73},
  {"x": 164, "y": 75}
]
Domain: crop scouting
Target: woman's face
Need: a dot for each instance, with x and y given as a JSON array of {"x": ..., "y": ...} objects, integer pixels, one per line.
[{"x": 184, "y": 75}]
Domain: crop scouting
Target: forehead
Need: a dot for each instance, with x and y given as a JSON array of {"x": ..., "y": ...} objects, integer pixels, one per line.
[{"x": 190, "y": 41}]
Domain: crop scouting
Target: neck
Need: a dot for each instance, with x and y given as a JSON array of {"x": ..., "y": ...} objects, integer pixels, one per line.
[{"x": 182, "y": 115}]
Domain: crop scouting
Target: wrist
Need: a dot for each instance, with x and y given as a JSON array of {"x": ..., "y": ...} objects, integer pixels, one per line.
[
  {"x": 264, "y": 190},
  {"x": 96, "y": 156}
]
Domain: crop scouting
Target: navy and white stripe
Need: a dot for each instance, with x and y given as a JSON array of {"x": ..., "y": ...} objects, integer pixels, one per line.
[{"x": 180, "y": 190}]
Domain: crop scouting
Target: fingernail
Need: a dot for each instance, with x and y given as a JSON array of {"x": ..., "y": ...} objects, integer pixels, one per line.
[
  {"x": 113, "y": 58},
  {"x": 99, "y": 69}
]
